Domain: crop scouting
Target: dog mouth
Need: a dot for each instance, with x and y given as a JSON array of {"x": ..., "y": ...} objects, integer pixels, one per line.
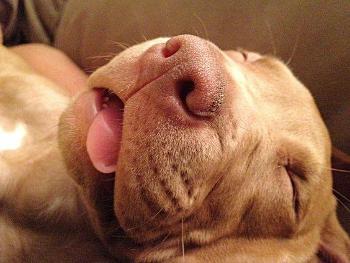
[
  {"x": 104, "y": 135},
  {"x": 103, "y": 112}
]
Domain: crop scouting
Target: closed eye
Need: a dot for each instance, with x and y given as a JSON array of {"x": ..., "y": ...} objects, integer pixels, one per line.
[
  {"x": 244, "y": 54},
  {"x": 249, "y": 56},
  {"x": 294, "y": 175},
  {"x": 296, "y": 203}
]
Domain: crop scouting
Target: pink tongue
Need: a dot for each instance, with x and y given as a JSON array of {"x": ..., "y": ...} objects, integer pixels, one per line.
[{"x": 104, "y": 137}]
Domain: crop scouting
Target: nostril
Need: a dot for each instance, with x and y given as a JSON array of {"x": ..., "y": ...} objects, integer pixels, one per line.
[
  {"x": 184, "y": 88},
  {"x": 171, "y": 47},
  {"x": 190, "y": 73}
]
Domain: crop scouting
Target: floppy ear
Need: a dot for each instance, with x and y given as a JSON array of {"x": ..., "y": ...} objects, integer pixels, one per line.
[
  {"x": 335, "y": 243},
  {"x": 341, "y": 185},
  {"x": 340, "y": 160}
]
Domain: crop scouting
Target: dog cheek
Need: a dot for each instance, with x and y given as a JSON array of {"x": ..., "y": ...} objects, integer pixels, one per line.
[
  {"x": 97, "y": 199},
  {"x": 335, "y": 244},
  {"x": 170, "y": 176},
  {"x": 70, "y": 145}
]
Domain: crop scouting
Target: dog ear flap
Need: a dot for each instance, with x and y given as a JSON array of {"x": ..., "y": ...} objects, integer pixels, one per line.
[
  {"x": 340, "y": 159},
  {"x": 335, "y": 243}
]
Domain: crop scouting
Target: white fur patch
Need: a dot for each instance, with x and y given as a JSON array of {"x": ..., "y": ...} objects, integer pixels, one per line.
[{"x": 12, "y": 140}]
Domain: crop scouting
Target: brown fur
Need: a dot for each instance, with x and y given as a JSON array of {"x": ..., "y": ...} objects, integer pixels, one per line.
[{"x": 217, "y": 188}]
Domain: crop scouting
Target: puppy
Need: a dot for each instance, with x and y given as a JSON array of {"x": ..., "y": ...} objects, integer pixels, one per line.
[{"x": 177, "y": 152}]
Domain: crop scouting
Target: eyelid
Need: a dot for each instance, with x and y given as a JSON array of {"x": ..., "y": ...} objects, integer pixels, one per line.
[
  {"x": 296, "y": 198},
  {"x": 297, "y": 167},
  {"x": 301, "y": 159},
  {"x": 244, "y": 53}
]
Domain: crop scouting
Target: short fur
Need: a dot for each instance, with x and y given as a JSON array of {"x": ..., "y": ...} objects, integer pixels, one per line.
[{"x": 217, "y": 190}]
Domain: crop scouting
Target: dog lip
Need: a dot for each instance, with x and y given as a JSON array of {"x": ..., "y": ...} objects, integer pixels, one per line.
[{"x": 105, "y": 130}]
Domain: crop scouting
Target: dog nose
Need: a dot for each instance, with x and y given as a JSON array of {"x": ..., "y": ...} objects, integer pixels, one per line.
[{"x": 190, "y": 69}]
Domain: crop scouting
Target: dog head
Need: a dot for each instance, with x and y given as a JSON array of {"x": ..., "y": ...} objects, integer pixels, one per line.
[{"x": 179, "y": 143}]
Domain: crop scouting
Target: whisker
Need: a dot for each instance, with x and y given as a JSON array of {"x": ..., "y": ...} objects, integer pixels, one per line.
[
  {"x": 148, "y": 221},
  {"x": 106, "y": 56},
  {"x": 203, "y": 25},
  {"x": 342, "y": 203},
  {"x": 331, "y": 168},
  {"x": 121, "y": 45},
  {"x": 144, "y": 37},
  {"x": 156, "y": 214},
  {"x": 166, "y": 237},
  {"x": 196, "y": 32},
  {"x": 343, "y": 196},
  {"x": 339, "y": 170},
  {"x": 89, "y": 70},
  {"x": 296, "y": 43},
  {"x": 163, "y": 240},
  {"x": 135, "y": 42},
  {"x": 271, "y": 36}
]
